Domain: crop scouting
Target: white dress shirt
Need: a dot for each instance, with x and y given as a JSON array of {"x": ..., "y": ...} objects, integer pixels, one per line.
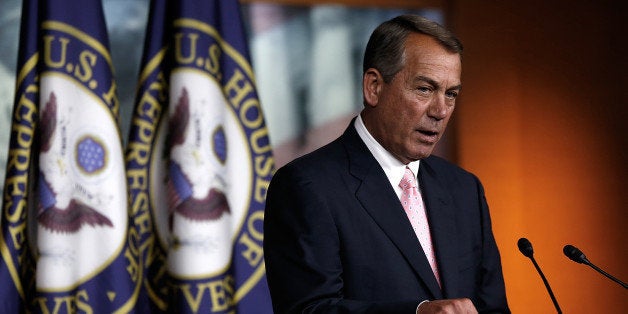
[{"x": 393, "y": 168}]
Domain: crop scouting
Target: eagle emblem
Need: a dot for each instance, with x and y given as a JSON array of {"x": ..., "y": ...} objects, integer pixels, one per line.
[
  {"x": 76, "y": 214},
  {"x": 179, "y": 186}
]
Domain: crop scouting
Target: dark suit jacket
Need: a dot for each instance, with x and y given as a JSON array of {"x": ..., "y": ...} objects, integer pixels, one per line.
[{"x": 337, "y": 239}]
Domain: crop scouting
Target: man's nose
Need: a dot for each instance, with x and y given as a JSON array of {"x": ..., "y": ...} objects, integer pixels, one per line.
[{"x": 437, "y": 109}]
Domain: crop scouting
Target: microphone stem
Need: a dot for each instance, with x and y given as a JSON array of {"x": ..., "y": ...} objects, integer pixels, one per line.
[
  {"x": 608, "y": 275},
  {"x": 547, "y": 286}
]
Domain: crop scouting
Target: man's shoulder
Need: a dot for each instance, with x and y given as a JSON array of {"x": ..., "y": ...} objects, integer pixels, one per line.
[
  {"x": 319, "y": 159},
  {"x": 440, "y": 163},
  {"x": 445, "y": 169},
  {"x": 318, "y": 170}
]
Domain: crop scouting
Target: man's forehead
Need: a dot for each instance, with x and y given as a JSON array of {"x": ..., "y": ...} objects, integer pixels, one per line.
[{"x": 439, "y": 70}]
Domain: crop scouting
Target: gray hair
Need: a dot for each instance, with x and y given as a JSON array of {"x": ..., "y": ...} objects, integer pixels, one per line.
[{"x": 385, "y": 47}]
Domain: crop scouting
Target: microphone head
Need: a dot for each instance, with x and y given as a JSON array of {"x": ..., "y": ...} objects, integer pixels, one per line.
[
  {"x": 525, "y": 247},
  {"x": 575, "y": 254}
]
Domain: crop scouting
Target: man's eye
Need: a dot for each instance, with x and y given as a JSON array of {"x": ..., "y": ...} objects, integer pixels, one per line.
[
  {"x": 451, "y": 95},
  {"x": 424, "y": 89}
]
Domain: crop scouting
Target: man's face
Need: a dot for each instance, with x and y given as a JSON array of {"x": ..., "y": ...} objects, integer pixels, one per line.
[{"x": 410, "y": 113}]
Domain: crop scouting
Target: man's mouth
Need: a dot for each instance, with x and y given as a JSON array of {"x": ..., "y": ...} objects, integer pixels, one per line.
[
  {"x": 429, "y": 136},
  {"x": 428, "y": 132}
]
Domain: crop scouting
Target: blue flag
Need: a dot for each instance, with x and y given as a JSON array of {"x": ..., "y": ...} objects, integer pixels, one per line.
[
  {"x": 17, "y": 280},
  {"x": 65, "y": 206},
  {"x": 199, "y": 162}
]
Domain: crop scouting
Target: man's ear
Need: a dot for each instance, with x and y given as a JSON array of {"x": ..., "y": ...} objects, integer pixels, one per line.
[{"x": 372, "y": 83}]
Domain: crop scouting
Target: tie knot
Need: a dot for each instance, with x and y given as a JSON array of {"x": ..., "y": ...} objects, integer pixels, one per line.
[{"x": 409, "y": 180}]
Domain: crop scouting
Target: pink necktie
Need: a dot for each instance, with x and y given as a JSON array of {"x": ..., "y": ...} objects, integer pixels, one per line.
[{"x": 413, "y": 205}]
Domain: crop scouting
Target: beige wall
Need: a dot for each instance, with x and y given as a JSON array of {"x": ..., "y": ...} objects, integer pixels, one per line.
[{"x": 542, "y": 121}]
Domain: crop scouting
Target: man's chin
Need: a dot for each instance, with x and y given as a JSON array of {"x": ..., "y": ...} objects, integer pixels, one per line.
[
  {"x": 418, "y": 156},
  {"x": 423, "y": 152}
]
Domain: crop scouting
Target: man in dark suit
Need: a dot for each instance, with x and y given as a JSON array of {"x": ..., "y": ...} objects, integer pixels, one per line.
[{"x": 340, "y": 236}]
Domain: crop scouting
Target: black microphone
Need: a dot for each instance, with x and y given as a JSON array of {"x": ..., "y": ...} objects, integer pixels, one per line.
[
  {"x": 526, "y": 249},
  {"x": 577, "y": 256}
]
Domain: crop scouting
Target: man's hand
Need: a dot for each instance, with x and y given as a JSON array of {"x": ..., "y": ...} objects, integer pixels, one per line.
[{"x": 451, "y": 306}]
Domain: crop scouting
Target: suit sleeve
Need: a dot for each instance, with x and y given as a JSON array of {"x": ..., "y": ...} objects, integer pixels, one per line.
[
  {"x": 491, "y": 293},
  {"x": 303, "y": 252}
]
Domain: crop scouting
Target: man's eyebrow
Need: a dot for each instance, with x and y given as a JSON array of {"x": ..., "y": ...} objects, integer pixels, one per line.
[
  {"x": 435, "y": 84},
  {"x": 457, "y": 87},
  {"x": 427, "y": 80}
]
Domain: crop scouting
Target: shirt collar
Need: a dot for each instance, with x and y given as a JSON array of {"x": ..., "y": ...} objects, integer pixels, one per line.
[{"x": 393, "y": 168}]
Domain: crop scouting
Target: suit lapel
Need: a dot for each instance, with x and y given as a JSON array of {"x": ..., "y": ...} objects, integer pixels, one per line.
[
  {"x": 380, "y": 201},
  {"x": 441, "y": 215}
]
